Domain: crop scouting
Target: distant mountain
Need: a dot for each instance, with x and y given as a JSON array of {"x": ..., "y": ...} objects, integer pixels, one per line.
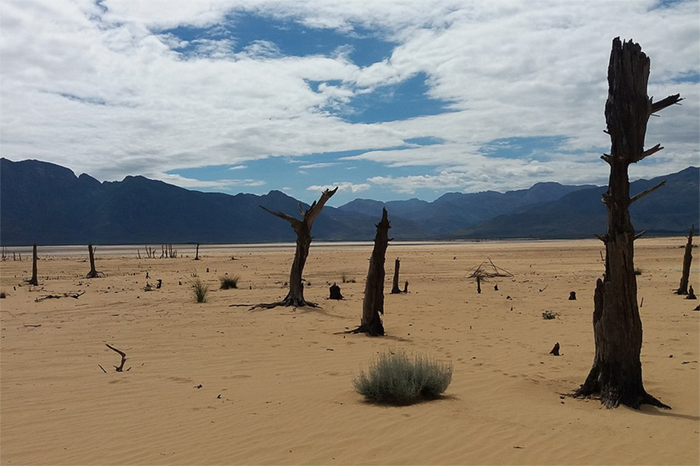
[
  {"x": 671, "y": 210},
  {"x": 47, "y": 204},
  {"x": 454, "y": 211}
]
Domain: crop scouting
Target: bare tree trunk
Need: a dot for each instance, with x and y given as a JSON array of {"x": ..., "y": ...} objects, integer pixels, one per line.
[
  {"x": 93, "y": 272},
  {"x": 395, "y": 288},
  {"x": 373, "y": 302},
  {"x": 196, "y": 254},
  {"x": 617, "y": 328},
  {"x": 302, "y": 228},
  {"x": 35, "y": 257},
  {"x": 687, "y": 259}
]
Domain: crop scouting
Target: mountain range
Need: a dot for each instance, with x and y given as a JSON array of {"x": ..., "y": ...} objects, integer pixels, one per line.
[{"x": 47, "y": 204}]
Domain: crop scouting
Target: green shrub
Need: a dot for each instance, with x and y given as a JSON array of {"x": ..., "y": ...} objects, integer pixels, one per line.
[
  {"x": 398, "y": 379},
  {"x": 229, "y": 282},
  {"x": 201, "y": 290},
  {"x": 549, "y": 315}
]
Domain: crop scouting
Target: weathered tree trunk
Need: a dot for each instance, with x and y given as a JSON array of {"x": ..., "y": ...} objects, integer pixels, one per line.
[
  {"x": 617, "y": 328},
  {"x": 35, "y": 257},
  {"x": 196, "y": 254},
  {"x": 335, "y": 292},
  {"x": 687, "y": 259},
  {"x": 373, "y": 302},
  {"x": 93, "y": 272},
  {"x": 302, "y": 228},
  {"x": 395, "y": 288}
]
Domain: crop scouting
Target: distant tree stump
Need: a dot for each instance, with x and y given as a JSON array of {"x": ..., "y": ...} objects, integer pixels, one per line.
[
  {"x": 335, "y": 292},
  {"x": 687, "y": 259},
  {"x": 572, "y": 296},
  {"x": 35, "y": 257},
  {"x": 691, "y": 293}
]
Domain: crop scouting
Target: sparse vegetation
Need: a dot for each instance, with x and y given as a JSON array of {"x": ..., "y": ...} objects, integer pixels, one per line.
[
  {"x": 549, "y": 315},
  {"x": 229, "y": 282},
  {"x": 201, "y": 290},
  {"x": 398, "y": 379}
]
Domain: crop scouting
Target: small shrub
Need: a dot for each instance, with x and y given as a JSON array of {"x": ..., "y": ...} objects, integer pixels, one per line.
[
  {"x": 201, "y": 290},
  {"x": 549, "y": 315},
  {"x": 229, "y": 282},
  {"x": 398, "y": 379}
]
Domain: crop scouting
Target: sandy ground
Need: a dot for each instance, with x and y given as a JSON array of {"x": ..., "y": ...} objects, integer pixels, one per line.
[{"x": 213, "y": 384}]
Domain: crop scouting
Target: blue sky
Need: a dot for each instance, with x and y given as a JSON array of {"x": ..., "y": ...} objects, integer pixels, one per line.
[{"x": 387, "y": 100}]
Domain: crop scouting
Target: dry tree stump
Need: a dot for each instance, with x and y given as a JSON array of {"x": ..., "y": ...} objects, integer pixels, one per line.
[{"x": 335, "y": 292}]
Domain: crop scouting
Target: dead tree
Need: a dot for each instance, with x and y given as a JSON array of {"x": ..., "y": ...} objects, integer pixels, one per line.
[
  {"x": 93, "y": 273},
  {"x": 302, "y": 228},
  {"x": 395, "y": 288},
  {"x": 616, "y": 374},
  {"x": 373, "y": 302},
  {"x": 35, "y": 257},
  {"x": 196, "y": 254},
  {"x": 687, "y": 259}
]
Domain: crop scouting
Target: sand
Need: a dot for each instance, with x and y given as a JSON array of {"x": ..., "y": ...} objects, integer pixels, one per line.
[{"x": 213, "y": 384}]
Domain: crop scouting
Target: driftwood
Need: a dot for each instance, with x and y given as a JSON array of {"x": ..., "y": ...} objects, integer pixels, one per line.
[
  {"x": 485, "y": 271},
  {"x": 119, "y": 368},
  {"x": 58, "y": 296}
]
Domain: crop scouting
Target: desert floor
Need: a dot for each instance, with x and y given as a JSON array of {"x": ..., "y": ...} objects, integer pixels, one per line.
[{"x": 214, "y": 384}]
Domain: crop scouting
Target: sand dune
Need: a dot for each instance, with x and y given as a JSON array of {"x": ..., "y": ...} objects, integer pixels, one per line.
[{"x": 213, "y": 384}]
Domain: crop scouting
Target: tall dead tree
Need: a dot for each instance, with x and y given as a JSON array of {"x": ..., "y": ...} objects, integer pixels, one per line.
[
  {"x": 302, "y": 228},
  {"x": 93, "y": 273},
  {"x": 35, "y": 257},
  {"x": 395, "y": 288},
  {"x": 373, "y": 302},
  {"x": 196, "y": 254},
  {"x": 616, "y": 373},
  {"x": 687, "y": 259}
]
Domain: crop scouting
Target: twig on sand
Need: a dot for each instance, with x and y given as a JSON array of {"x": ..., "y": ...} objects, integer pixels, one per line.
[{"x": 122, "y": 354}]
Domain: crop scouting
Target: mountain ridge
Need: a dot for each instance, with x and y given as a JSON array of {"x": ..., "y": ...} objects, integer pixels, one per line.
[{"x": 48, "y": 204}]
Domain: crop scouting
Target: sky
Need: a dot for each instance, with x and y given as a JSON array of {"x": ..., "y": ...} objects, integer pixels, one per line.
[{"x": 385, "y": 99}]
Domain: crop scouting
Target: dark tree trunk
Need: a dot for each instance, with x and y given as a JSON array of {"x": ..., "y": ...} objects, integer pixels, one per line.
[
  {"x": 35, "y": 257},
  {"x": 395, "y": 288},
  {"x": 93, "y": 272},
  {"x": 373, "y": 302},
  {"x": 687, "y": 259},
  {"x": 617, "y": 328},
  {"x": 302, "y": 228},
  {"x": 196, "y": 253}
]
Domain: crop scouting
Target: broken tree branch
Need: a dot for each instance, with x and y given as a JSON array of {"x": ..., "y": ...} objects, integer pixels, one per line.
[
  {"x": 58, "y": 296},
  {"x": 648, "y": 191},
  {"x": 647, "y": 153},
  {"x": 662, "y": 104},
  {"x": 122, "y": 354}
]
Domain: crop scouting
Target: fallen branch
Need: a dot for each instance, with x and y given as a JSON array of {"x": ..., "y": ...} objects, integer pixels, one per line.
[
  {"x": 58, "y": 296},
  {"x": 122, "y": 354}
]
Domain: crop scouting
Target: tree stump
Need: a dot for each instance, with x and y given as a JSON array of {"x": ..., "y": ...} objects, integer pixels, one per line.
[
  {"x": 335, "y": 292},
  {"x": 687, "y": 259},
  {"x": 373, "y": 302},
  {"x": 35, "y": 257},
  {"x": 395, "y": 288}
]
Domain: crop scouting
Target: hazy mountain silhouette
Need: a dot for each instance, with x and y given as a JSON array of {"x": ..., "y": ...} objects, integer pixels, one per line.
[{"x": 47, "y": 204}]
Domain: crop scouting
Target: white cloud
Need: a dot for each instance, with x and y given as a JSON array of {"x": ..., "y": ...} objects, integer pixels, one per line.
[
  {"x": 318, "y": 165},
  {"x": 343, "y": 187},
  {"x": 105, "y": 91}
]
